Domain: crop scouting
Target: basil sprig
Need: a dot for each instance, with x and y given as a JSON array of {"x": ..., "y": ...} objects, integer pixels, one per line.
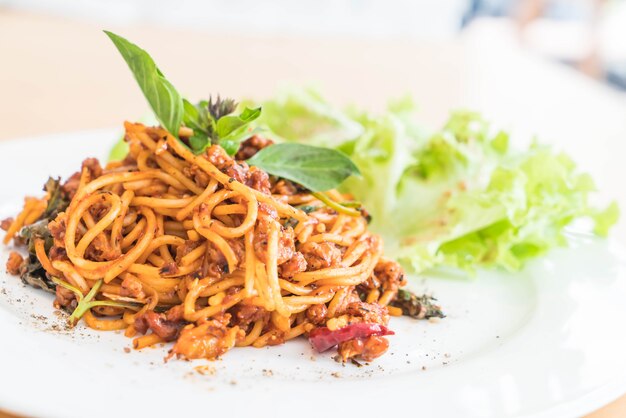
[
  {"x": 315, "y": 168},
  {"x": 233, "y": 129},
  {"x": 214, "y": 122}
]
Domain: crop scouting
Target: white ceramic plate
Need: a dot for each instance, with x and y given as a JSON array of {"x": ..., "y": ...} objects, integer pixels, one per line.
[{"x": 546, "y": 342}]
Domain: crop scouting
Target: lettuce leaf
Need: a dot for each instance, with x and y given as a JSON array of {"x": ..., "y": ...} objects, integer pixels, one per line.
[
  {"x": 119, "y": 150},
  {"x": 459, "y": 196}
]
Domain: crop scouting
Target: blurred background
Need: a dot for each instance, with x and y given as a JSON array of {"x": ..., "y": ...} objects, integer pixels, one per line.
[
  {"x": 445, "y": 46},
  {"x": 446, "y": 53},
  {"x": 585, "y": 34}
]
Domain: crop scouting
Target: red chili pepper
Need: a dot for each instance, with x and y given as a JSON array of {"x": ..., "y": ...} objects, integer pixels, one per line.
[{"x": 323, "y": 338}]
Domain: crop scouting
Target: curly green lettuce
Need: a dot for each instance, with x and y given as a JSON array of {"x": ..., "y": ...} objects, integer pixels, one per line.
[{"x": 459, "y": 196}]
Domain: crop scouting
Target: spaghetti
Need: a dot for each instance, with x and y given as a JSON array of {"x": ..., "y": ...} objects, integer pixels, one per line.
[{"x": 207, "y": 252}]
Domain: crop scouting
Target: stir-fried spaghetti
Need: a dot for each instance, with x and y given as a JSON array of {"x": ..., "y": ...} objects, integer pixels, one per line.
[{"x": 207, "y": 252}]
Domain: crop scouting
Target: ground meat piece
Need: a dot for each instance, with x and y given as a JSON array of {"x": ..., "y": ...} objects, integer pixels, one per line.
[
  {"x": 258, "y": 180},
  {"x": 286, "y": 243},
  {"x": 251, "y": 146},
  {"x": 65, "y": 299},
  {"x": 237, "y": 171},
  {"x": 176, "y": 313},
  {"x": 239, "y": 248},
  {"x": 351, "y": 297},
  {"x": 390, "y": 275},
  {"x": 244, "y": 315},
  {"x": 169, "y": 269},
  {"x": 320, "y": 255},
  {"x": 352, "y": 310},
  {"x": 370, "y": 284},
  {"x": 316, "y": 314},
  {"x": 57, "y": 254},
  {"x": 132, "y": 287},
  {"x": 260, "y": 243},
  {"x": 366, "y": 348},
  {"x": 57, "y": 229},
  {"x": 100, "y": 249},
  {"x": 14, "y": 263},
  {"x": 287, "y": 188},
  {"x": 214, "y": 264},
  {"x": 218, "y": 157},
  {"x": 141, "y": 325},
  {"x": 71, "y": 185},
  {"x": 93, "y": 166},
  {"x": 208, "y": 340},
  {"x": 100, "y": 208},
  {"x": 197, "y": 174},
  {"x": 129, "y": 161},
  {"x": 156, "y": 133},
  {"x": 160, "y": 324},
  {"x": 267, "y": 212},
  {"x": 5, "y": 224},
  {"x": 374, "y": 346},
  {"x": 296, "y": 264},
  {"x": 186, "y": 248},
  {"x": 350, "y": 349},
  {"x": 368, "y": 312}
]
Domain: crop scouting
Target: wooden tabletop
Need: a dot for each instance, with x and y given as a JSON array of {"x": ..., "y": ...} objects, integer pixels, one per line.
[{"x": 60, "y": 75}]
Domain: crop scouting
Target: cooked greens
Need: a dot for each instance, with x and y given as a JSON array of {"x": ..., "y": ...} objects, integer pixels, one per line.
[
  {"x": 31, "y": 272},
  {"x": 213, "y": 122},
  {"x": 417, "y": 306}
]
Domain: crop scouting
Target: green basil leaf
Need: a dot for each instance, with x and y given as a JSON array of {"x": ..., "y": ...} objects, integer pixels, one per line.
[
  {"x": 248, "y": 115},
  {"x": 198, "y": 142},
  {"x": 230, "y": 123},
  {"x": 231, "y": 147},
  {"x": 197, "y": 117},
  {"x": 318, "y": 169},
  {"x": 163, "y": 98},
  {"x": 191, "y": 117},
  {"x": 206, "y": 120},
  {"x": 198, "y": 120},
  {"x": 232, "y": 141}
]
